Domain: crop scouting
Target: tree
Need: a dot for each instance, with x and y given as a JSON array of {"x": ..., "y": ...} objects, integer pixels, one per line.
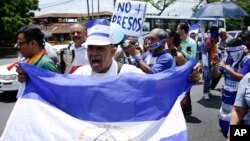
[
  {"x": 14, "y": 14},
  {"x": 160, "y": 4}
]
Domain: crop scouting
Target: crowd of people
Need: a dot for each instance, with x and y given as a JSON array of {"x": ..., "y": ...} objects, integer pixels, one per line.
[{"x": 93, "y": 54}]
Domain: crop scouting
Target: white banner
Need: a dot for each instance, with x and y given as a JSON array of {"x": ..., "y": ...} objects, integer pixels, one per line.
[{"x": 129, "y": 16}]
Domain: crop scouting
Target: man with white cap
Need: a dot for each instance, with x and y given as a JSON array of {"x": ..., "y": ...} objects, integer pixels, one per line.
[{"x": 101, "y": 54}]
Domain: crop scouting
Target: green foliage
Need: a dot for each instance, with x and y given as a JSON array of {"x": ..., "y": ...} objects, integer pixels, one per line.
[
  {"x": 14, "y": 14},
  {"x": 235, "y": 23},
  {"x": 160, "y": 4}
]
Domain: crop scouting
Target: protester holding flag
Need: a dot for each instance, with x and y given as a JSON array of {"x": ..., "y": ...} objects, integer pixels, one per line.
[
  {"x": 101, "y": 52},
  {"x": 240, "y": 111},
  {"x": 101, "y": 100},
  {"x": 236, "y": 66},
  {"x": 31, "y": 43}
]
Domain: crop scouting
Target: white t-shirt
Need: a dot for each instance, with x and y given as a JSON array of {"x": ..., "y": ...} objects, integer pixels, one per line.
[
  {"x": 113, "y": 70},
  {"x": 81, "y": 56}
]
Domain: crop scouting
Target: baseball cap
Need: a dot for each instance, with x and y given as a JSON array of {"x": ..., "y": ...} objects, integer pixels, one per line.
[{"x": 98, "y": 32}]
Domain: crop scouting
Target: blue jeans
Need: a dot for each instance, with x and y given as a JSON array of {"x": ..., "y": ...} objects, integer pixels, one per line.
[{"x": 207, "y": 79}]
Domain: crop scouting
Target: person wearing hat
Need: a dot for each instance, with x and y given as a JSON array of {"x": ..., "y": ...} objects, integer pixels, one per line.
[
  {"x": 163, "y": 60},
  {"x": 101, "y": 52}
]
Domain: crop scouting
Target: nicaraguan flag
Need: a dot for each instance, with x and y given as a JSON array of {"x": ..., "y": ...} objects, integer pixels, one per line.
[
  {"x": 194, "y": 28},
  {"x": 186, "y": 21},
  {"x": 216, "y": 22},
  {"x": 66, "y": 107}
]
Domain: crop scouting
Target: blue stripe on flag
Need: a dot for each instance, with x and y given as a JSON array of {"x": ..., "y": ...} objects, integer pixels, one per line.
[
  {"x": 194, "y": 28},
  {"x": 126, "y": 97},
  {"x": 101, "y": 34},
  {"x": 228, "y": 97},
  {"x": 177, "y": 137},
  {"x": 92, "y": 23}
]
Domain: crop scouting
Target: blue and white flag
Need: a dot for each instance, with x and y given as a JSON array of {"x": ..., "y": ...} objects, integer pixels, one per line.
[
  {"x": 194, "y": 28},
  {"x": 66, "y": 107},
  {"x": 187, "y": 21},
  {"x": 216, "y": 22}
]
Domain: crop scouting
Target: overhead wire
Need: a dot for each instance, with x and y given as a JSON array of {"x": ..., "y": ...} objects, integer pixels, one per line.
[{"x": 56, "y": 4}]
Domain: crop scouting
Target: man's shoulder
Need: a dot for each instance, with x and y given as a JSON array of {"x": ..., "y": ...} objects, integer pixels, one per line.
[
  {"x": 127, "y": 68},
  {"x": 192, "y": 41},
  {"x": 165, "y": 56},
  {"x": 47, "y": 63},
  {"x": 45, "y": 59},
  {"x": 84, "y": 70}
]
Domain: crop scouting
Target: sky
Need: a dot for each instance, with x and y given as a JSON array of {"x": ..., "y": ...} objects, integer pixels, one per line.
[{"x": 181, "y": 8}]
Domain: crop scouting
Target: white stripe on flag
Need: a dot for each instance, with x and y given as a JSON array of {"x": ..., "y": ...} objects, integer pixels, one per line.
[
  {"x": 35, "y": 120},
  {"x": 97, "y": 28}
]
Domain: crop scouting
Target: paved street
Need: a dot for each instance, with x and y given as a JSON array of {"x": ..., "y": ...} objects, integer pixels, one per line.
[{"x": 202, "y": 124}]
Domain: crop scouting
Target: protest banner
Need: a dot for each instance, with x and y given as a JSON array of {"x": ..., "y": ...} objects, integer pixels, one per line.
[{"x": 129, "y": 16}]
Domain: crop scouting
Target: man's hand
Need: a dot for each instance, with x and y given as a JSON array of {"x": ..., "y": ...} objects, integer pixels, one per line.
[
  {"x": 21, "y": 74},
  {"x": 195, "y": 75},
  {"x": 131, "y": 50}
]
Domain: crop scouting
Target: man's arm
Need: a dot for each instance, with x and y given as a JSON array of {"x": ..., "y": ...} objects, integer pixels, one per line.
[{"x": 135, "y": 53}]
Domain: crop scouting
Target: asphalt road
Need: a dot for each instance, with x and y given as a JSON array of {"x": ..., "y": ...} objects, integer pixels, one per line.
[{"x": 202, "y": 124}]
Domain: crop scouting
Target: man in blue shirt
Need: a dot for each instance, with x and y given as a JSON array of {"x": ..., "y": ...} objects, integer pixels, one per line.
[{"x": 162, "y": 59}]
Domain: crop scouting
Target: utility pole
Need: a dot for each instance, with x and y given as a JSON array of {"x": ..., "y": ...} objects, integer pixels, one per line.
[
  {"x": 98, "y": 7},
  {"x": 92, "y": 9},
  {"x": 88, "y": 9}
]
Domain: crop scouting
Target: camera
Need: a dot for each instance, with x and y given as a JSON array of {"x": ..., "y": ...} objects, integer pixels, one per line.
[{"x": 128, "y": 42}]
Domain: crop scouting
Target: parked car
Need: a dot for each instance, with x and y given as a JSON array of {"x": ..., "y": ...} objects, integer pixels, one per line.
[
  {"x": 235, "y": 33},
  {"x": 8, "y": 78}
]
